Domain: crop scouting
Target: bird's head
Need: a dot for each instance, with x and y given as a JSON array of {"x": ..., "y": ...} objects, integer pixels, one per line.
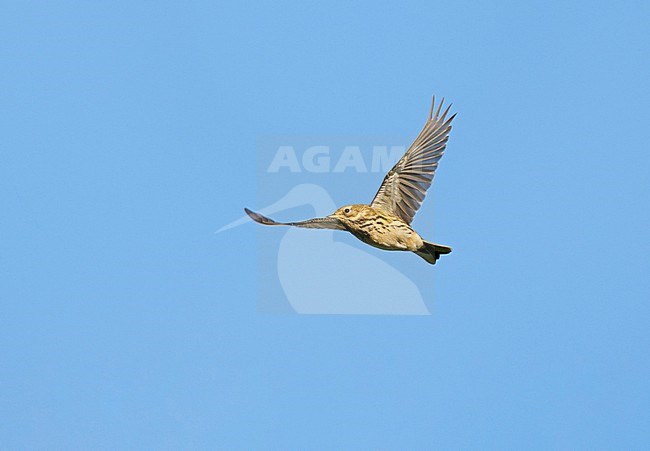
[{"x": 348, "y": 213}]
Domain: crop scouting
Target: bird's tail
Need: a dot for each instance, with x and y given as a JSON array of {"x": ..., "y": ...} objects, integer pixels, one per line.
[{"x": 432, "y": 252}]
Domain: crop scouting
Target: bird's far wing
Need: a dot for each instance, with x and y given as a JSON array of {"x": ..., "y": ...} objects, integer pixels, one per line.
[
  {"x": 406, "y": 184},
  {"x": 316, "y": 223}
]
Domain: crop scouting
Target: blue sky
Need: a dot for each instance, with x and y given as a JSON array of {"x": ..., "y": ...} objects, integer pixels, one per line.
[{"x": 129, "y": 135}]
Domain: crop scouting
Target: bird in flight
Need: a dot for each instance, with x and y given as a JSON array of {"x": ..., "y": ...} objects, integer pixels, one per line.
[{"x": 385, "y": 222}]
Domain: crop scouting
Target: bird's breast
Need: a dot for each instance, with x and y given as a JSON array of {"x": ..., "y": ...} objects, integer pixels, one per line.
[{"x": 387, "y": 233}]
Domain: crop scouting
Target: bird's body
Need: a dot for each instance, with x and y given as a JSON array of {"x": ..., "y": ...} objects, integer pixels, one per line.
[
  {"x": 379, "y": 228},
  {"x": 385, "y": 222}
]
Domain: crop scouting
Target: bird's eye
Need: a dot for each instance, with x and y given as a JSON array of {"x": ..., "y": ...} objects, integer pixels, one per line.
[{"x": 347, "y": 210}]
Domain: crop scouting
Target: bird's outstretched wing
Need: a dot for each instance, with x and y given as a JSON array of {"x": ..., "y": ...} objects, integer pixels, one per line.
[
  {"x": 406, "y": 184},
  {"x": 316, "y": 223}
]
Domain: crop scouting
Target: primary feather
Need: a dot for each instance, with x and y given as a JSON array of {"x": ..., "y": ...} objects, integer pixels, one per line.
[{"x": 405, "y": 186}]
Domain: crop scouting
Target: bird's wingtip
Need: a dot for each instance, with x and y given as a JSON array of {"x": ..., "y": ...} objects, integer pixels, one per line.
[
  {"x": 254, "y": 216},
  {"x": 257, "y": 217}
]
